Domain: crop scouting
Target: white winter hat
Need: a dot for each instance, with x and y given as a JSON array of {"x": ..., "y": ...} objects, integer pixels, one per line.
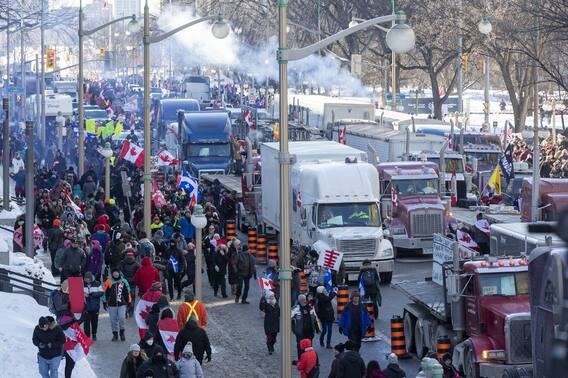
[
  {"x": 134, "y": 348},
  {"x": 392, "y": 358},
  {"x": 188, "y": 348},
  {"x": 320, "y": 289}
]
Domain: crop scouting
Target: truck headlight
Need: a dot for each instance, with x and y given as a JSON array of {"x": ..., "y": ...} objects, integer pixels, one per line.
[
  {"x": 493, "y": 354},
  {"x": 397, "y": 230},
  {"x": 386, "y": 252}
]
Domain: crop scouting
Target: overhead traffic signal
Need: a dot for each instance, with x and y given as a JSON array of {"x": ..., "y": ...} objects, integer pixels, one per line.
[
  {"x": 50, "y": 59},
  {"x": 102, "y": 53}
]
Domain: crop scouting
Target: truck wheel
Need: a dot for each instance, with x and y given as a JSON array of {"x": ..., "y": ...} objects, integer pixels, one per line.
[
  {"x": 421, "y": 349},
  {"x": 409, "y": 332},
  {"x": 471, "y": 369},
  {"x": 386, "y": 277}
]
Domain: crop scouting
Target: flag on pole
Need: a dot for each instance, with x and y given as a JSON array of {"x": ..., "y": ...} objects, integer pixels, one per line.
[
  {"x": 165, "y": 158},
  {"x": 394, "y": 195},
  {"x": 76, "y": 209},
  {"x": 465, "y": 239},
  {"x": 132, "y": 153},
  {"x": 266, "y": 283},
  {"x": 495, "y": 180},
  {"x": 248, "y": 120},
  {"x": 189, "y": 184},
  {"x": 91, "y": 126},
  {"x": 506, "y": 163},
  {"x": 168, "y": 328}
]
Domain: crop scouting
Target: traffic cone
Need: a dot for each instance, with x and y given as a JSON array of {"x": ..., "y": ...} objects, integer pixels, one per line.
[{"x": 398, "y": 344}]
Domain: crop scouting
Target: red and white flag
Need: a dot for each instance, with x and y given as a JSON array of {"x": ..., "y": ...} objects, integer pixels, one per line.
[
  {"x": 466, "y": 240},
  {"x": 330, "y": 259},
  {"x": 450, "y": 143},
  {"x": 248, "y": 120},
  {"x": 266, "y": 283},
  {"x": 168, "y": 328},
  {"x": 143, "y": 308},
  {"x": 343, "y": 135},
  {"x": 165, "y": 158},
  {"x": 75, "y": 207},
  {"x": 394, "y": 195},
  {"x": 132, "y": 153},
  {"x": 77, "y": 344}
]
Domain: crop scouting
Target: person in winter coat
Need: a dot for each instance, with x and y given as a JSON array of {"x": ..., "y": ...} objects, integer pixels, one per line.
[
  {"x": 155, "y": 296},
  {"x": 116, "y": 298},
  {"x": 191, "y": 307},
  {"x": 133, "y": 360},
  {"x": 55, "y": 239},
  {"x": 186, "y": 229},
  {"x": 101, "y": 236},
  {"x": 74, "y": 261},
  {"x": 165, "y": 314},
  {"x": 308, "y": 359},
  {"x": 374, "y": 370},
  {"x": 49, "y": 338},
  {"x": 269, "y": 306},
  {"x": 369, "y": 279},
  {"x": 147, "y": 343},
  {"x": 114, "y": 252},
  {"x": 393, "y": 370},
  {"x": 245, "y": 271},
  {"x": 233, "y": 254},
  {"x": 354, "y": 320},
  {"x": 351, "y": 364},
  {"x": 339, "y": 349},
  {"x": 93, "y": 293},
  {"x": 146, "y": 276},
  {"x": 175, "y": 269},
  {"x": 449, "y": 370},
  {"x": 324, "y": 311},
  {"x": 158, "y": 365},
  {"x": 191, "y": 332},
  {"x": 95, "y": 259},
  {"x": 304, "y": 322},
  {"x": 60, "y": 300},
  {"x": 220, "y": 262},
  {"x": 189, "y": 255},
  {"x": 128, "y": 267},
  {"x": 20, "y": 183},
  {"x": 188, "y": 365}
]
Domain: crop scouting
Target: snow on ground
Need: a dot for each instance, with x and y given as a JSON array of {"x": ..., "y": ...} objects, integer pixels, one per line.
[
  {"x": 12, "y": 214},
  {"x": 20, "y": 314}
]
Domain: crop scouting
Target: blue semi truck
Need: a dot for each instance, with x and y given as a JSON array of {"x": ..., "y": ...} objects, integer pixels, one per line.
[{"x": 204, "y": 141}]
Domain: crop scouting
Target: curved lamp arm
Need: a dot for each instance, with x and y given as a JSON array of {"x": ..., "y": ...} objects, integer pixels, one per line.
[
  {"x": 161, "y": 37},
  {"x": 85, "y": 33},
  {"x": 297, "y": 54}
]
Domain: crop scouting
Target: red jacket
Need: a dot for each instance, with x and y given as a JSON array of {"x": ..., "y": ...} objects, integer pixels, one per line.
[
  {"x": 308, "y": 359},
  {"x": 146, "y": 274}
]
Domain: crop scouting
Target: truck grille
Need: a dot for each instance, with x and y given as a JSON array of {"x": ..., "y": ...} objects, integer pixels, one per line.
[
  {"x": 426, "y": 224},
  {"x": 358, "y": 247},
  {"x": 519, "y": 340}
]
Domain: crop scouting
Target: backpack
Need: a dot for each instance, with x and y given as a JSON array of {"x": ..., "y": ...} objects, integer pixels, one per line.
[
  {"x": 368, "y": 278},
  {"x": 50, "y": 303},
  {"x": 315, "y": 372},
  {"x": 145, "y": 249}
]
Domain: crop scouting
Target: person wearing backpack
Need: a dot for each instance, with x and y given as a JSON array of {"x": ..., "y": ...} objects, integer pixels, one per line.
[
  {"x": 145, "y": 247},
  {"x": 308, "y": 364},
  {"x": 129, "y": 266},
  {"x": 58, "y": 301},
  {"x": 245, "y": 270},
  {"x": 324, "y": 311},
  {"x": 59, "y": 255},
  {"x": 74, "y": 261},
  {"x": 369, "y": 280},
  {"x": 93, "y": 293},
  {"x": 175, "y": 269}
]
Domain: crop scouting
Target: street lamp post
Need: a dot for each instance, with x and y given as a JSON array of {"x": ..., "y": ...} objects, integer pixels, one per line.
[
  {"x": 400, "y": 38},
  {"x": 199, "y": 221},
  {"x": 107, "y": 154},
  {"x": 220, "y": 30},
  {"x": 132, "y": 26},
  {"x": 485, "y": 28}
]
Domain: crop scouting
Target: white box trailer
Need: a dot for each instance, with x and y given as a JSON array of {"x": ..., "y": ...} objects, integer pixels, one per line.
[
  {"x": 334, "y": 199},
  {"x": 333, "y": 112}
]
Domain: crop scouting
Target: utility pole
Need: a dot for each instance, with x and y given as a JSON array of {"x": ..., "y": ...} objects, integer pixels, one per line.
[
  {"x": 42, "y": 81},
  {"x": 393, "y": 66},
  {"x": 29, "y": 187},
  {"x": 535, "y": 193},
  {"x": 81, "y": 152},
  {"x": 22, "y": 64},
  {"x": 6, "y": 131},
  {"x": 460, "y": 66},
  {"x": 37, "y": 102},
  {"x": 486, "y": 107}
]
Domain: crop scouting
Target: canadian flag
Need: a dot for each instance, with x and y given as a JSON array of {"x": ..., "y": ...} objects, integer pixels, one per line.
[
  {"x": 165, "y": 158},
  {"x": 143, "y": 307},
  {"x": 248, "y": 120},
  {"x": 265, "y": 283},
  {"x": 394, "y": 195},
  {"x": 343, "y": 135},
  {"x": 132, "y": 153},
  {"x": 168, "y": 328},
  {"x": 466, "y": 240},
  {"x": 77, "y": 344}
]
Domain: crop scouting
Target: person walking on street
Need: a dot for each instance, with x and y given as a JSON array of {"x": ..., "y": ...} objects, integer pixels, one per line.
[
  {"x": 189, "y": 255},
  {"x": 133, "y": 360},
  {"x": 269, "y": 306},
  {"x": 191, "y": 332},
  {"x": 325, "y": 313},
  {"x": 55, "y": 239},
  {"x": 116, "y": 299},
  {"x": 369, "y": 280},
  {"x": 49, "y": 338},
  {"x": 220, "y": 262},
  {"x": 304, "y": 322},
  {"x": 188, "y": 365},
  {"x": 93, "y": 293},
  {"x": 191, "y": 307},
  {"x": 233, "y": 256},
  {"x": 354, "y": 320},
  {"x": 95, "y": 259},
  {"x": 308, "y": 364},
  {"x": 175, "y": 269},
  {"x": 393, "y": 370},
  {"x": 145, "y": 276},
  {"x": 128, "y": 267},
  {"x": 351, "y": 364},
  {"x": 158, "y": 365},
  {"x": 245, "y": 271},
  {"x": 339, "y": 349},
  {"x": 74, "y": 261}
]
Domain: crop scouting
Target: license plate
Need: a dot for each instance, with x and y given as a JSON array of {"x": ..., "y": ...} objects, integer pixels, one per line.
[{"x": 427, "y": 251}]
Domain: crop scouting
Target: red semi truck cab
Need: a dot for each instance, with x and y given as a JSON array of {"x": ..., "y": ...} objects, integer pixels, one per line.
[{"x": 411, "y": 202}]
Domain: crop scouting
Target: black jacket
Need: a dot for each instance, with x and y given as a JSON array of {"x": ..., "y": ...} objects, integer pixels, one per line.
[
  {"x": 163, "y": 369},
  {"x": 148, "y": 349},
  {"x": 350, "y": 365},
  {"x": 334, "y": 363},
  {"x": 221, "y": 261},
  {"x": 324, "y": 308},
  {"x": 197, "y": 336},
  {"x": 394, "y": 371},
  {"x": 153, "y": 318},
  {"x": 128, "y": 268},
  {"x": 271, "y": 316},
  {"x": 373, "y": 289},
  {"x": 130, "y": 366},
  {"x": 50, "y": 342},
  {"x": 114, "y": 252},
  {"x": 246, "y": 265},
  {"x": 74, "y": 260}
]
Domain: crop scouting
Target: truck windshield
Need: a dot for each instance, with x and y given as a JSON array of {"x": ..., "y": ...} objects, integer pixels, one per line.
[
  {"x": 507, "y": 284},
  {"x": 413, "y": 187},
  {"x": 348, "y": 215},
  {"x": 209, "y": 150},
  {"x": 96, "y": 113},
  {"x": 451, "y": 164},
  {"x": 485, "y": 159}
]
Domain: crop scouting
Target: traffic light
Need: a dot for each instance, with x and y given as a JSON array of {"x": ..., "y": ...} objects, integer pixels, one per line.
[
  {"x": 464, "y": 63},
  {"x": 486, "y": 107},
  {"x": 50, "y": 59},
  {"x": 102, "y": 53}
]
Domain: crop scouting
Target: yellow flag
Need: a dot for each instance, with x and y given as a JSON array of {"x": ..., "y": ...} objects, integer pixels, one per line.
[
  {"x": 108, "y": 129},
  {"x": 495, "y": 180},
  {"x": 91, "y": 126},
  {"x": 276, "y": 134},
  {"x": 118, "y": 129}
]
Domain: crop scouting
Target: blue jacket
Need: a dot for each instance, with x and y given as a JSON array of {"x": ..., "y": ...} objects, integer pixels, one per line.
[
  {"x": 344, "y": 321},
  {"x": 186, "y": 228},
  {"x": 168, "y": 231},
  {"x": 93, "y": 294}
]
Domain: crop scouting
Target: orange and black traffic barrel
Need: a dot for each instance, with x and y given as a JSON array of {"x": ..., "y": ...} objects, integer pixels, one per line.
[
  {"x": 303, "y": 283},
  {"x": 261, "y": 249},
  {"x": 443, "y": 346},
  {"x": 371, "y": 330},
  {"x": 273, "y": 250},
  {"x": 342, "y": 298},
  {"x": 398, "y": 345},
  {"x": 251, "y": 233},
  {"x": 231, "y": 229}
]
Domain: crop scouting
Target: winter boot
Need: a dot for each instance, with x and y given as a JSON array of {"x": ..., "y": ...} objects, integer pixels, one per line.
[
  {"x": 94, "y": 338},
  {"x": 122, "y": 338},
  {"x": 270, "y": 349},
  {"x": 115, "y": 336}
]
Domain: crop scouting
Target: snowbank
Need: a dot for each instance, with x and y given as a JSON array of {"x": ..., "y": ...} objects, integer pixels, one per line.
[
  {"x": 34, "y": 268},
  {"x": 13, "y": 213},
  {"x": 19, "y": 314}
]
